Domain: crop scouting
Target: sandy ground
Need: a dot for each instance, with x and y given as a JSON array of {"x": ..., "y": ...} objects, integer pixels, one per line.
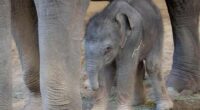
[{"x": 19, "y": 90}]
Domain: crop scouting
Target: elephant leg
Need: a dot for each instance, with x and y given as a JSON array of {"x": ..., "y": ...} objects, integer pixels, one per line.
[
  {"x": 60, "y": 26},
  {"x": 24, "y": 30},
  {"x": 126, "y": 82},
  {"x": 139, "y": 95},
  {"x": 153, "y": 68},
  {"x": 101, "y": 96},
  {"x": 185, "y": 73},
  {"x": 5, "y": 57}
]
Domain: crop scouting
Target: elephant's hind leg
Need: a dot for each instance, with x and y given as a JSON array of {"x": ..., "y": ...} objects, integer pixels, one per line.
[
  {"x": 139, "y": 96},
  {"x": 24, "y": 23},
  {"x": 153, "y": 67}
]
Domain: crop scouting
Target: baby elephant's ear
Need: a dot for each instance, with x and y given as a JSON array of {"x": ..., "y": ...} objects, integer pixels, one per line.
[
  {"x": 127, "y": 18},
  {"x": 128, "y": 12},
  {"x": 126, "y": 23},
  {"x": 121, "y": 20}
]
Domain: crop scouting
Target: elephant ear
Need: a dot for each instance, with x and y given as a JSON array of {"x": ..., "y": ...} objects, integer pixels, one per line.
[{"x": 125, "y": 19}]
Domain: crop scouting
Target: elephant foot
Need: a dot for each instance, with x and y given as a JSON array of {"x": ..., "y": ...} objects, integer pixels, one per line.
[
  {"x": 181, "y": 81},
  {"x": 33, "y": 103},
  {"x": 186, "y": 92},
  {"x": 164, "y": 105},
  {"x": 173, "y": 93}
]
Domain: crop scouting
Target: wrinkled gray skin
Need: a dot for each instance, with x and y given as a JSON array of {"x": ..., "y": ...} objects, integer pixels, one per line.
[
  {"x": 184, "y": 15},
  {"x": 185, "y": 73},
  {"x": 5, "y": 56},
  {"x": 124, "y": 36},
  {"x": 47, "y": 44},
  {"x": 54, "y": 12}
]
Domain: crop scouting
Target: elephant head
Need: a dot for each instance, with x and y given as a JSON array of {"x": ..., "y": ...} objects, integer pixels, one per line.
[
  {"x": 106, "y": 35},
  {"x": 101, "y": 48}
]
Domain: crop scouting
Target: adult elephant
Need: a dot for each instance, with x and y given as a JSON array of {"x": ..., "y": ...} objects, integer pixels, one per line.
[
  {"x": 185, "y": 73},
  {"x": 48, "y": 35}
]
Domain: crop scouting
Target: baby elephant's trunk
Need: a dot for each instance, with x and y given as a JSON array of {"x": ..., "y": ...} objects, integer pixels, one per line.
[{"x": 92, "y": 71}]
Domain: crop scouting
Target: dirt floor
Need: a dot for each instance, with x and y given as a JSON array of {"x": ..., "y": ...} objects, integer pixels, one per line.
[{"x": 19, "y": 90}]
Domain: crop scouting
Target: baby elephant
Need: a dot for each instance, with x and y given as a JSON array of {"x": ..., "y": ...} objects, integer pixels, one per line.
[{"x": 122, "y": 42}]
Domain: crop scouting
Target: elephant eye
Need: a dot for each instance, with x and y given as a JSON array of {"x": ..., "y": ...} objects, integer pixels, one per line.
[{"x": 107, "y": 50}]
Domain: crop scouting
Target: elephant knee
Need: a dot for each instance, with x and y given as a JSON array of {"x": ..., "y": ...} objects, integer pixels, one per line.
[{"x": 31, "y": 80}]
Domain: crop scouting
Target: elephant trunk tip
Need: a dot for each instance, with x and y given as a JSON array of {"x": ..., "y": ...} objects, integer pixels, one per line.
[{"x": 94, "y": 86}]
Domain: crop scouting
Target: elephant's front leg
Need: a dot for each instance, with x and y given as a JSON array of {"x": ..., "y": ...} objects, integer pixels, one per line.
[
  {"x": 153, "y": 67},
  {"x": 126, "y": 74},
  {"x": 24, "y": 29},
  {"x": 60, "y": 31},
  {"x": 101, "y": 96},
  {"x": 186, "y": 60}
]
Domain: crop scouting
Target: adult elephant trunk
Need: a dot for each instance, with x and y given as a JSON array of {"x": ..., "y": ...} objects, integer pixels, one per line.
[
  {"x": 92, "y": 70},
  {"x": 185, "y": 73}
]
